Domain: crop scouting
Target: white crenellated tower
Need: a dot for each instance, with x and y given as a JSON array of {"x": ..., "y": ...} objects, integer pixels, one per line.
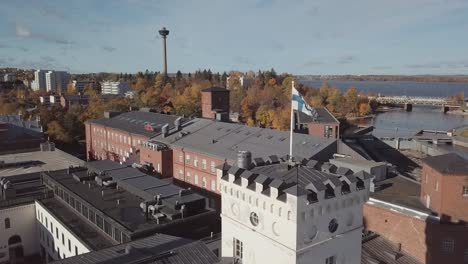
[{"x": 276, "y": 212}]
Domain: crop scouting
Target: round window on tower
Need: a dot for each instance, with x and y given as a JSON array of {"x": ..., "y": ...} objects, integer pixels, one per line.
[
  {"x": 333, "y": 225},
  {"x": 254, "y": 219}
]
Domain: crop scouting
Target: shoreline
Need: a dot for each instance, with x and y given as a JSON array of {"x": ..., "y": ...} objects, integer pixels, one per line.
[{"x": 457, "y": 112}]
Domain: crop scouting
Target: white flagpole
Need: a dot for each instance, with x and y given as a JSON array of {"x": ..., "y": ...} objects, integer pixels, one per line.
[{"x": 292, "y": 125}]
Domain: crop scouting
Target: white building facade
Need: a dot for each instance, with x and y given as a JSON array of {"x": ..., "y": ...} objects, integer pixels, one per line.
[
  {"x": 39, "y": 82},
  {"x": 17, "y": 233},
  {"x": 114, "y": 87},
  {"x": 264, "y": 223},
  {"x": 55, "y": 239}
]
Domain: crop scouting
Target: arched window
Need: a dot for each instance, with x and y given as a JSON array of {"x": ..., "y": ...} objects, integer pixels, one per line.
[
  {"x": 14, "y": 240},
  {"x": 7, "y": 223}
]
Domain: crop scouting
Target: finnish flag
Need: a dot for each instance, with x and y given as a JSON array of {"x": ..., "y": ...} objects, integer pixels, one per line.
[{"x": 299, "y": 104}]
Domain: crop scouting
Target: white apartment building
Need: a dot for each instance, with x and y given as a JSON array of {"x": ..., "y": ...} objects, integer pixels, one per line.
[
  {"x": 51, "y": 82},
  {"x": 108, "y": 87},
  {"x": 279, "y": 213},
  {"x": 9, "y": 77},
  {"x": 39, "y": 82},
  {"x": 56, "y": 81}
]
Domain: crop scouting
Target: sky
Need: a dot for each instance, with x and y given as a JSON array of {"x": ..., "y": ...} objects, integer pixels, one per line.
[{"x": 294, "y": 36}]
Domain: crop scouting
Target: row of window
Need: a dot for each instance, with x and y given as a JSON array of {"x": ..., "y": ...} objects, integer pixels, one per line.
[
  {"x": 188, "y": 161},
  {"x": 116, "y": 137},
  {"x": 93, "y": 217},
  {"x": 204, "y": 182},
  {"x": 238, "y": 252},
  {"x": 50, "y": 241}
]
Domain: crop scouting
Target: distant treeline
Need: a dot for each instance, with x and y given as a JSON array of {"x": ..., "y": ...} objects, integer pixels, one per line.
[{"x": 408, "y": 78}]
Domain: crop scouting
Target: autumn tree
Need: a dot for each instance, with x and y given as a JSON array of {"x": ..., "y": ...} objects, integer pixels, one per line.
[
  {"x": 351, "y": 99},
  {"x": 57, "y": 132}
]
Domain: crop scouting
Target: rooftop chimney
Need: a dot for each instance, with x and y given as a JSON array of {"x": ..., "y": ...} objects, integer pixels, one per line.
[
  {"x": 165, "y": 130},
  {"x": 244, "y": 159},
  {"x": 177, "y": 124}
]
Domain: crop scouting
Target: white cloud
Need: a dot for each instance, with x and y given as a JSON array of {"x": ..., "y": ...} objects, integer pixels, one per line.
[{"x": 23, "y": 31}]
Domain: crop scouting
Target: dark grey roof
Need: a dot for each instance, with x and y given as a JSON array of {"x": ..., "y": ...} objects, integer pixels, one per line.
[
  {"x": 450, "y": 163},
  {"x": 157, "y": 249},
  {"x": 131, "y": 193},
  {"x": 224, "y": 140},
  {"x": 134, "y": 122},
  {"x": 125, "y": 173},
  {"x": 215, "y": 89},
  {"x": 301, "y": 176},
  {"x": 101, "y": 166},
  {"x": 400, "y": 191},
  {"x": 382, "y": 251},
  {"x": 324, "y": 116},
  {"x": 80, "y": 228}
]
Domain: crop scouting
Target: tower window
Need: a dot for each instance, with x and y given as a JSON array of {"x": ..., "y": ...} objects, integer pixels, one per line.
[
  {"x": 254, "y": 219},
  {"x": 7, "y": 223},
  {"x": 448, "y": 245},
  {"x": 333, "y": 226},
  {"x": 465, "y": 190},
  {"x": 330, "y": 260},
  {"x": 238, "y": 249}
]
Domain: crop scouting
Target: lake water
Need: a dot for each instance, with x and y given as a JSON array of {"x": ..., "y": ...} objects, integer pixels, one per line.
[
  {"x": 404, "y": 124},
  {"x": 400, "y": 123},
  {"x": 432, "y": 89}
]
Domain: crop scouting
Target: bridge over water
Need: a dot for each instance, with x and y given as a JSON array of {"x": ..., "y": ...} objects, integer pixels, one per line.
[{"x": 415, "y": 100}]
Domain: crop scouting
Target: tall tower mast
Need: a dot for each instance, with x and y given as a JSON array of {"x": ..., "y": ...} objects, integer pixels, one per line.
[{"x": 164, "y": 32}]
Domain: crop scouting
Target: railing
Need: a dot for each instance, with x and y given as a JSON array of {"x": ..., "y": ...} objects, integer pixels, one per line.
[{"x": 26, "y": 199}]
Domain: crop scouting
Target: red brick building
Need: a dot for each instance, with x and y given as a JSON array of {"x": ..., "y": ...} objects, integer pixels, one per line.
[
  {"x": 215, "y": 103},
  {"x": 324, "y": 124},
  {"x": 444, "y": 186},
  {"x": 120, "y": 136},
  {"x": 398, "y": 212}
]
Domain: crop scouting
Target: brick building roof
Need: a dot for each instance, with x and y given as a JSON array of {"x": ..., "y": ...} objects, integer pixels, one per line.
[
  {"x": 224, "y": 140},
  {"x": 134, "y": 122},
  {"x": 450, "y": 163},
  {"x": 323, "y": 116}
]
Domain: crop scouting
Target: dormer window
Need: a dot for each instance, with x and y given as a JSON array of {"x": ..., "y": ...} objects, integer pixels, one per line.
[
  {"x": 329, "y": 192},
  {"x": 345, "y": 189},
  {"x": 311, "y": 197},
  {"x": 360, "y": 184}
]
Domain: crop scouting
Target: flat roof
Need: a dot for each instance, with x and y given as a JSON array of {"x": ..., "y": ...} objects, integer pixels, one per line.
[
  {"x": 224, "y": 140},
  {"x": 401, "y": 191},
  {"x": 131, "y": 193},
  {"x": 450, "y": 163},
  {"x": 79, "y": 227},
  {"x": 37, "y": 161},
  {"x": 360, "y": 162},
  {"x": 134, "y": 122},
  {"x": 157, "y": 249}
]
